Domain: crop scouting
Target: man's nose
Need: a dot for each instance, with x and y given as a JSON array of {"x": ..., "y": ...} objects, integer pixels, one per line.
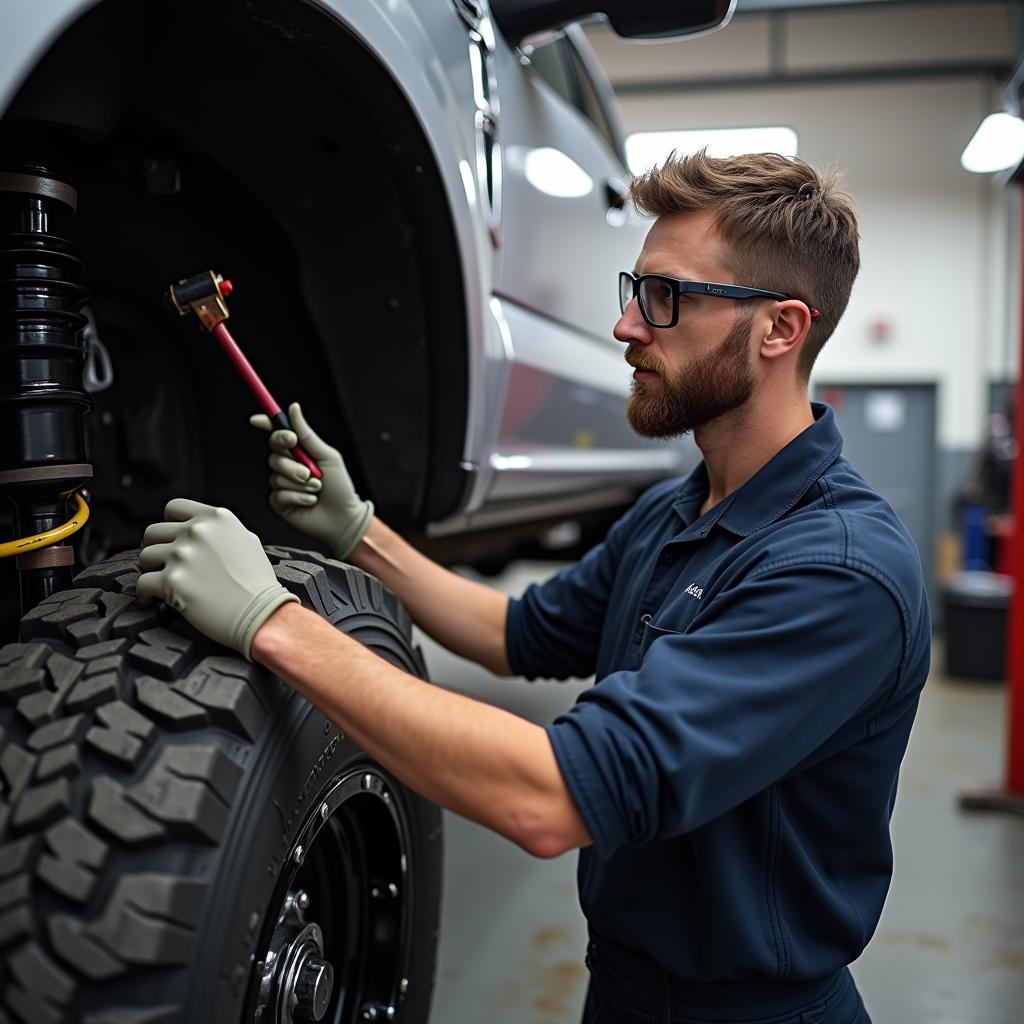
[{"x": 631, "y": 328}]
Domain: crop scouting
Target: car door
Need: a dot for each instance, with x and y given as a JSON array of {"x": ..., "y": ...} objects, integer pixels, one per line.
[{"x": 565, "y": 232}]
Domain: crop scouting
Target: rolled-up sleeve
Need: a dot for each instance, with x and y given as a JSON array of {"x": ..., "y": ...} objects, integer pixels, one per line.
[
  {"x": 764, "y": 675},
  {"x": 554, "y": 630}
]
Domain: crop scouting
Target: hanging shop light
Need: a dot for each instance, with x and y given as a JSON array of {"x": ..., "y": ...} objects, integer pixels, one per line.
[{"x": 997, "y": 144}]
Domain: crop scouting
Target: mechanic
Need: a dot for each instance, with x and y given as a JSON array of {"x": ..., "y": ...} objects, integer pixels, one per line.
[{"x": 759, "y": 632}]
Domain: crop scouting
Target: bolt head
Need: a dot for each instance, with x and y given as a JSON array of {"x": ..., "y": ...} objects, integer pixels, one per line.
[
  {"x": 300, "y": 854},
  {"x": 313, "y": 989}
]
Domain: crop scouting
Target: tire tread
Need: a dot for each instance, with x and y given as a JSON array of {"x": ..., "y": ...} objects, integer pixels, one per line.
[{"x": 123, "y": 735}]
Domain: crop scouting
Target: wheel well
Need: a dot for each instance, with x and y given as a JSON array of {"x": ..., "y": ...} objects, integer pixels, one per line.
[{"x": 261, "y": 139}]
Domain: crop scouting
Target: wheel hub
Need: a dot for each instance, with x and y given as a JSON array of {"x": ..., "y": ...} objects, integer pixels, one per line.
[
  {"x": 297, "y": 982},
  {"x": 348, "y": 861}
]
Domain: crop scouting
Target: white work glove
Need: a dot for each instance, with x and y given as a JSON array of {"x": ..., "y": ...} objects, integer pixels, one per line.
[
  {"x": 328, "y": 509},
  {"x": 203, "y": 562}
]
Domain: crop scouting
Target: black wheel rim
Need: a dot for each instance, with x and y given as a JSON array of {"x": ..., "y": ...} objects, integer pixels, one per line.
[{"x": 350, "y": 857}]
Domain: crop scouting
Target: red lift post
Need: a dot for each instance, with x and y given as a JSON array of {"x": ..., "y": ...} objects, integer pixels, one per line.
[
  {"x": 1011, "y": 796},
  {"x": 1015, "y": 652}
]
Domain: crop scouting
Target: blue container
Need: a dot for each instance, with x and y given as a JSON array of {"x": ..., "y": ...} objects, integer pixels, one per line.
[{"x": 975, "y": 539}]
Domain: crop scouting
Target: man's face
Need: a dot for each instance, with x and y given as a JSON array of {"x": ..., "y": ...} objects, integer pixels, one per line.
[{"x": 687, "y": 375}]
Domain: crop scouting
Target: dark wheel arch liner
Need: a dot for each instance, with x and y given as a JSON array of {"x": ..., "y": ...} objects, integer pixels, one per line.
[{"x": 325, "y": 160}]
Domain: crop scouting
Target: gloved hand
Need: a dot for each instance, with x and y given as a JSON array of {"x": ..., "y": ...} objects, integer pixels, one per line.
[
  {"x": 206, "y": 564},
  {"x": 327, "y": 509}
]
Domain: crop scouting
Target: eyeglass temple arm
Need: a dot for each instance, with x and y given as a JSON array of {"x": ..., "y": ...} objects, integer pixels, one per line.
[{"x": 738, "y": 291}]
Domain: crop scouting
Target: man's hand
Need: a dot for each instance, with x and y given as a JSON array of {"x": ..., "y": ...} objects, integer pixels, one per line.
[
  {"x": 203, "y": 562},
  {"x": 329, "y": 510}
]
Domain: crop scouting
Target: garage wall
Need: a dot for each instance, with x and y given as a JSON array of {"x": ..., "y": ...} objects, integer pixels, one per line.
[{"x": 938, "y": 261}]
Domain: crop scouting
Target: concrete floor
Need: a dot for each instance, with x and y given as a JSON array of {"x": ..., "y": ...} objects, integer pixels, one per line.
[{"x": 949, "y": 948}]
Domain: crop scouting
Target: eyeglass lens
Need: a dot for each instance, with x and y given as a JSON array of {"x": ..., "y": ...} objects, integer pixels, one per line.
[
  {"x": 654, "y": 295},
  {"x": 625, "y": 291},
  {"x": 656, "y": 300}
]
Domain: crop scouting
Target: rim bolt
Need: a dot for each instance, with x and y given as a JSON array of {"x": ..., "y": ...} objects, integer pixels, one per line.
[
  {"x": 367, "y": 782},
  {"x": 300, "y": 854},
  {"x": 404, "y": 986},
  {"x": 371, "y": 1012},
  {"x": 302, "y": 900},
  {"x": 325, "y": 812},
  {"x": 393, "y": 890}
]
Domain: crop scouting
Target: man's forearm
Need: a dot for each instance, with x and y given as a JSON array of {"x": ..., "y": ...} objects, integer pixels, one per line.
[
  {"x": 462, "y": 615},
  {"x": 479, "y": 761}
]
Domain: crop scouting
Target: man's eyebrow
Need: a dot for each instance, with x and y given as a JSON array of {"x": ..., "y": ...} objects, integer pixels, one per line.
[{"x": 666, "y": 273}]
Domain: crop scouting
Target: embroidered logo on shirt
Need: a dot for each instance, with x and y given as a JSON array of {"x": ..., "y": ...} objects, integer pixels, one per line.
[{"x": 694, "y": 591}]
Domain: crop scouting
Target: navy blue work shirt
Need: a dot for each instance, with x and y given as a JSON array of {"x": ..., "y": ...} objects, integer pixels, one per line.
[{"x": 757, "y": 669}]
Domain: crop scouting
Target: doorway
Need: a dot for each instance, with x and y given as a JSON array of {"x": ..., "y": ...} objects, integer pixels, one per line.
[{"x": 889, "y": 436}]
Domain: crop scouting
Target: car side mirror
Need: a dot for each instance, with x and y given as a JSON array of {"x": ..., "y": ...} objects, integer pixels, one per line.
[{"x": 633, "y": 19}]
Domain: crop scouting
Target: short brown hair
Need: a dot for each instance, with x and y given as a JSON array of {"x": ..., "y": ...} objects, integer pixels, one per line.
[{"x": 786, "y": 228}]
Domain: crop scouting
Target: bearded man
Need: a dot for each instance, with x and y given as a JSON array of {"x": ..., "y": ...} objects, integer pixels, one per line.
[{"x": 758, "y": 632}]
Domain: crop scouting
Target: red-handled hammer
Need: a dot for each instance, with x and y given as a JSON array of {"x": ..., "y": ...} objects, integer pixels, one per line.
[{"x": 204, "y": 295}]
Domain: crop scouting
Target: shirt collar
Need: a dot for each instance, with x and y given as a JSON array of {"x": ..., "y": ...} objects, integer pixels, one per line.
[{"x": 774, "y": 489}]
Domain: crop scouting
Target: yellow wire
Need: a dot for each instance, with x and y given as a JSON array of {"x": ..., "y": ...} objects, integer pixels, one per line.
[{"x": 23, "y": 545}]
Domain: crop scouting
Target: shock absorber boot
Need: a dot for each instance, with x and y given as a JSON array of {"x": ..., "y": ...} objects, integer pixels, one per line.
[{"x": 42, "y": 399}]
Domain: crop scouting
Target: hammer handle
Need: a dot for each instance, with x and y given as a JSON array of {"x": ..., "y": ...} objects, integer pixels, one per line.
[
  {"x": 281, "y": 421},
  {"x": 259, "y": 390}
]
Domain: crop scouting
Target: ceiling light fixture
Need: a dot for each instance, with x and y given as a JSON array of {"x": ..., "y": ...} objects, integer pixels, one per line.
[
  {"x": 645, "y": 149},
  {"x": 997, "y": 144}
]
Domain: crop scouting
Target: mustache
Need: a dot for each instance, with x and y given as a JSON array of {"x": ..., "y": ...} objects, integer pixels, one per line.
[{"x": 640, "y": 362}]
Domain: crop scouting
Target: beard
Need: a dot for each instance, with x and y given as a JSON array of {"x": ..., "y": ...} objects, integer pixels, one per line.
[{"x": 712, "y": 385}]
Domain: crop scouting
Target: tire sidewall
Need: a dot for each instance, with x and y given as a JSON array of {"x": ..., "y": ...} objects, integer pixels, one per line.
[{"x": 297, "y": 761}]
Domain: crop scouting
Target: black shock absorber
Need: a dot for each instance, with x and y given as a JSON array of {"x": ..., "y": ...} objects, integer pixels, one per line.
[{"x": 43, "y": 403}]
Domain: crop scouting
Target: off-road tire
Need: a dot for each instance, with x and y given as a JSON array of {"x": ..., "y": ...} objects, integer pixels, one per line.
[{"x": 152, "y": 783}]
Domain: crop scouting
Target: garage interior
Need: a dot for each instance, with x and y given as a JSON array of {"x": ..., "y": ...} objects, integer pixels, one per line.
[{"x": 922, "y": 371}]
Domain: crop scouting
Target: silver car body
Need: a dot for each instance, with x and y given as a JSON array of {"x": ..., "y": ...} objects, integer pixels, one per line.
[{"x": 547, "y": 381}]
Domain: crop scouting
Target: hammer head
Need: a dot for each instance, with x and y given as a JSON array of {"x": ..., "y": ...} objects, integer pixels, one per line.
[{"x": 202, "y": 294}]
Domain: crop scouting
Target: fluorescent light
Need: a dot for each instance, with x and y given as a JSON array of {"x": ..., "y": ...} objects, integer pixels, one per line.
[
  {"x": 550, "y": 170},
  {"x": 997, "y": 144},
  {"x": 645, "y": 149}
]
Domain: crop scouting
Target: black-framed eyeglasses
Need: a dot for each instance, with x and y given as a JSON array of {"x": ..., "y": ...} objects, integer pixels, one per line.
[{"x": 658, "y": 296}]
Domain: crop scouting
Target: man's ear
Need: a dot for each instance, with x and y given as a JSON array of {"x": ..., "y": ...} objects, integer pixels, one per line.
[{"x": 791, "y": 322}]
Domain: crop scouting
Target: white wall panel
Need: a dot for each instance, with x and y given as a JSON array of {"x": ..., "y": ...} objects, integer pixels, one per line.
[{"x": 936, "y": 32}]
